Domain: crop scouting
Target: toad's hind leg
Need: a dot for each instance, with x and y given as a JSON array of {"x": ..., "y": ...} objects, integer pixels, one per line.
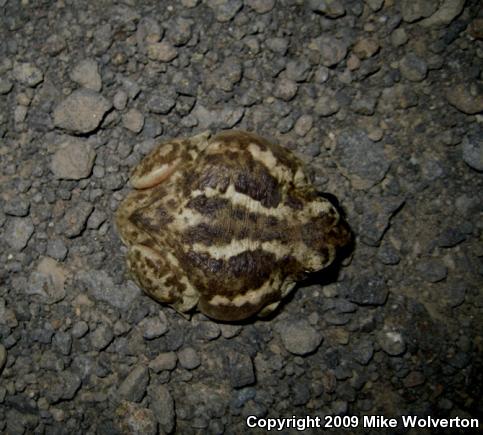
[{"x": 161, "y": 278}]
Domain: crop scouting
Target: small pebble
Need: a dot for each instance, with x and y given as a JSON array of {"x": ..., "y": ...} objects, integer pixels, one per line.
[
  {"x": 133, "y": 120},
  {"x": 189, "y": 358},
  {"x": 86, "y": 74}
]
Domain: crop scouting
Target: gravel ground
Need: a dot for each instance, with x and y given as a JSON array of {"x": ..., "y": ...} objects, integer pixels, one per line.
[{"x": 381, "y": 98}]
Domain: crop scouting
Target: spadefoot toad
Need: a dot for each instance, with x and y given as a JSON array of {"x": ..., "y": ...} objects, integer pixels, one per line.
[{"x": 226, "y": 223}]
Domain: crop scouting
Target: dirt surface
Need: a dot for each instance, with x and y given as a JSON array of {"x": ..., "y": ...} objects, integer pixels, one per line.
[{"x": 381, "y": 98}]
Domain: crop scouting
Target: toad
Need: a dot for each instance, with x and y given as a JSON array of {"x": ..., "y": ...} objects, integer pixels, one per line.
[{"x": 226, "y": 224}]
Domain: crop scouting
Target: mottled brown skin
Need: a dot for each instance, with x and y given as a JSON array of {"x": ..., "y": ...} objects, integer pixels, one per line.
[{"x": 226, "y": 224}]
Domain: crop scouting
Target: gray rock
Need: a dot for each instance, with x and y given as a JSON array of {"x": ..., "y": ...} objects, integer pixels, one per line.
[
  {"x": 331, "y": 8},
  {"x": 388, "y": 255},
  {"x": 229, "y": 74},
  {"x": 63, "y": 386},
  {"x": 261, "y": 6},
  {"x": 63, "y": 342},
  {"x": 132, "y": 87},
  {"x": 298, "y": 70},
  {"x": 73, "y": 160},
  {"x": 162, "y": 51},
  {"x": 413, "y": 68},
  {"x": 56, "y": 249},
  {"x": 186, "y": 82},
  {"x": 136, "y": 420},
  {"x": 321, "y": 74},
  {"x": 164, "y": 361},
  {"x": 133, "y": 120},
  {"x": 161, "y": 103},
  {"x": 377, "y": 214},
  {"x": 413, "y": 10},
  {"x": 18, "y": 232},
  {"x": 54, "y": 45},
  {"x": 240, "y": 369},
  {"x": 148, "y": 29},
  {"x": 81, "y": 112},
  {"x": 43, "y": 334},
  {"x": 96, "y": 219},
  {"x": 190, "y": 3},
  {"x": 162, "y": 405},
  {"x": 375, "y": 5},
  {"x": 228, "y": 117},
  {"x": 473, "y": 151},
  {"x": 179, "y": 31},
  {"x": 285, "y": 124},
  {"x": 366, "y": 48},
  {"x": 331, "y": 49},
  {"x": 454, "y": 294},
  {"x": 362, "y": 351},
  {"x": 80, "y": 329},
  {"x": 399, "y": 37},
  {"x": 3, "y": 357},
  {"x": 101, "y": 337},
  {"x": 225, "y": 10},
  {"x": 450, "y": 237},
  {"x": 17, "y": 206},
  {"x": 71, "y": 384},
  {"x": 362, "y": 161},
  {"x": 86, "y": 74},
  {"x": 446, "y": 13},
  {"x": 185, "y": 104},
  {"x": 391, "y": 342},
  {"x": 120, "y": 100},
  {"x": 468, "y": 98},
  {"x": 74, "y": 221},
  {"x": 20, "y": 114},
  {"x": 84, "y": 365},
  {"x": 230, "y": 331},
  {"x": 432, "y": 270},
  {"x": 335, "y": 318},
  {"x": 326, "y": 105},
  {"x": 299, "y": 337},
  {"x": 5, "y": 86},
  {"x": 154, "y": 327},
  {"x": 101, "y": 286},
  {"x": 398, "y": 96},
  {"x": 207, "y": 331},
  {"x": 277, "y": 45},
  {"x": 28, "y": 74},
  {"x": 364, "y": 105},
  {"x": 303, "y": 125},
  {"x": 189, "y": 358},
  {"x": 285, "y": 89},
  {"x": 133, "y": 387},
  {"x": 47, "y": 281},
  {"x": 368, "y": 290},
  {"x": 113, "y": 181}
]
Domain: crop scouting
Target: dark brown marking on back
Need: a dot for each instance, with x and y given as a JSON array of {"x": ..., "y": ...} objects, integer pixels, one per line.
[
  {"x": 207, "y": 234},
  {"x": 151, "y": 219},
  {"x": 204, "y": 262},
  {"x": 242, "y": 139},
  {"x": 154, "y": 159},
  {"x": 258, "y": 184},
  {"x": 208, "y": 206},
  {"x": 326, "y": 230},
  {"x": 293, "y": 201}
]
